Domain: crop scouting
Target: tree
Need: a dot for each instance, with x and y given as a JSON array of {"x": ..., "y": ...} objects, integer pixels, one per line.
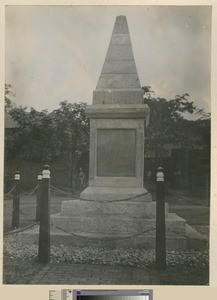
[
  {"x": 8, "y": 93},
  {"x": 71, "y": 126},
  {"x": 34, "y": 138},
  {"x": 46, "y": 137},
  {"x": 168, "y": 124}
]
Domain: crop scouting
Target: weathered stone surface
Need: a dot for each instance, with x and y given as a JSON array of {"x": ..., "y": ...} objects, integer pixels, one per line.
[
  {"x": 101, "y": 123},
  {"x": 136, "y": 182},
  {"x": 117, "y": 111},
  {"x": 118, "y": 81},
  {"x": 119, "y": 67},
  {"x": 120, "y": 39},
  {"x": 115, "y": 193},
  {"x": 121, "y": 26},
  {"x": 119, "y": 70},
  {"x": 112, "y": 96},
  {"x": 114, "y": 225},
  {"x": 120, "y": 53},
  {"x": 118, "y": 143},
  {"x": 129, "y": 209},
  {"x": 191, "y": 240}
]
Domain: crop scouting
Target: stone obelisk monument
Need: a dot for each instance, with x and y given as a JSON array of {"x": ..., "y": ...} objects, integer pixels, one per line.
[
  {"x": 117, "y": 119},
  {"x": 116, "y": 210}
]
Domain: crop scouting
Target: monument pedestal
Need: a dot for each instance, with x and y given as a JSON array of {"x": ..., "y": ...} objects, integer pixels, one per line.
[
  {"x": 117, "y": 220},
  {"x": 116, "y": 152},
  {"x": 121, "y": 224},
  {"x": 118, "y": 193}
]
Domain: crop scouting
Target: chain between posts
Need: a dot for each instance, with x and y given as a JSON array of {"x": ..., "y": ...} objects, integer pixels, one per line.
[
  {"x": 20, "y": 194},
  {"x": 107, "y": 238},
  {"x": 5, "y": 195},
  {"x": 38, "y": 200},
  {"x": 16, "y": 200},
  {"x": 44, "y": 216},
  {"x": 57, "y": 190}
]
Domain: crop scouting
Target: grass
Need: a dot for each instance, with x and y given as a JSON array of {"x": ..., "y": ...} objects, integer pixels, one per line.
[{"x": 195, "y": 216}]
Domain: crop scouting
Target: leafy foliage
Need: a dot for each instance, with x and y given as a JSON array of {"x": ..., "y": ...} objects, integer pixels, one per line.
[
  {"x": 8, "y": 93},
  {"x": 45, "y": 137},
  {"x": 168, "y": 125},
  {"x": 63, "y": 134},
  {"x": 71, "y": 127},
  {"x": 34, "y": 137}
]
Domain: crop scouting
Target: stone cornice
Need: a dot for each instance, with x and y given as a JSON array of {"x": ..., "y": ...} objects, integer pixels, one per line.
[{"x": 121, "y": 111}]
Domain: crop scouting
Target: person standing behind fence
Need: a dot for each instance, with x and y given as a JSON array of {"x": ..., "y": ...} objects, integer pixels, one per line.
[
  {"x": 81, "y": 179},
  {"x": 177, "y": 178},
  {"x": 149, "y": 174}
]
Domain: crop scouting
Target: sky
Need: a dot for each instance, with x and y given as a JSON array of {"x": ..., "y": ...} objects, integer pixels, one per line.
[{"x": 56, "y": 53}]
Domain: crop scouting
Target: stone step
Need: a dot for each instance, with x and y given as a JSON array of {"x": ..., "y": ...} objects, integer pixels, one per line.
[
  {"x": 102, "y": 224},
  {"x": 192, "y": 240},
  {"x": 121, "y": 209},
  {"x": 96, "y": 190}
]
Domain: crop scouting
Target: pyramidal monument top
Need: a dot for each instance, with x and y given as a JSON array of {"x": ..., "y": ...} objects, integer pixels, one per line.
[
  {"x": 121, "y": 26},
  {"x": 119, "y": 80}
]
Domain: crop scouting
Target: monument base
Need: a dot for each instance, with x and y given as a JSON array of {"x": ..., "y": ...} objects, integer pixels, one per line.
[
  {"x": 192, "y": 240},
  {"x": 123, "y": 224},
  {"x": 116, "y": 193}
]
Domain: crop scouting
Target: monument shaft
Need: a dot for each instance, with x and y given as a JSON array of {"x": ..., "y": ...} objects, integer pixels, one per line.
[{"x": 117, "y": 120}]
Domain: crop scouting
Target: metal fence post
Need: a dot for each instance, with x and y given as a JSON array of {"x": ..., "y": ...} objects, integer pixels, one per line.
[
  {"x": 44, "y": 229},
  {"x": 16, "y": 202},
  {"x": 160, "y": 222},
  {"x": 38, "y": 200}
]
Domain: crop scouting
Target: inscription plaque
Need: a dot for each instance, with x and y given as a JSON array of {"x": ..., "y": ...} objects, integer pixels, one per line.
[{"x": 116, "y": 152}]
